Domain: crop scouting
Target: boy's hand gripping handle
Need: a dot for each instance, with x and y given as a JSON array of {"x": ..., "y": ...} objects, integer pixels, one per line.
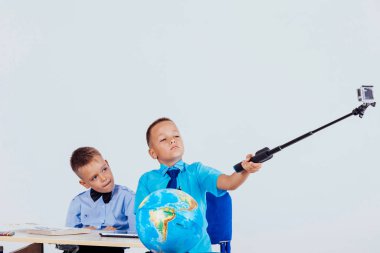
[{"x": 261, "y": 156}]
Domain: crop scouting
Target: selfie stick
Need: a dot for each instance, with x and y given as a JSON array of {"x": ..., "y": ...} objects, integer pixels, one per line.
[{"x": 265, "y": 154}]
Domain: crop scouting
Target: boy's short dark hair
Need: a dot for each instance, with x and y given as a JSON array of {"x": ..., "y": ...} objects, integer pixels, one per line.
[
  {"x": 152, "y": 125},
  {"x": 83, "y": 156}
]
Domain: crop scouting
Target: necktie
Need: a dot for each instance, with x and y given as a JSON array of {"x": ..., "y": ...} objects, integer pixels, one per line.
[
  {"x": 173, "y": 174},
  {"x": 96, "y": 195}
]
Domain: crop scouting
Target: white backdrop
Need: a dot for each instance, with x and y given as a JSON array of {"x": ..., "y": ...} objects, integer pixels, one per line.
[{"x": 236, "y": 76}]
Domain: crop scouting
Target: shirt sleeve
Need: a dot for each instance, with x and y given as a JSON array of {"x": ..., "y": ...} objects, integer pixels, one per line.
[
  {"x": 73, "y": 214},
  {"x": 208, "y": 178},
  {"x": 141, "y": 193},
  {"x": 130, "y": 213}
]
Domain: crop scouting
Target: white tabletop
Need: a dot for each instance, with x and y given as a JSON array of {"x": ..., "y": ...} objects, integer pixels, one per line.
[{"x": 91, "y": 239}]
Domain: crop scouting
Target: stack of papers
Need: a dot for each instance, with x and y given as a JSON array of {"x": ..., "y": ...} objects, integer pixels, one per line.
[{"x": 58, "y": 231}]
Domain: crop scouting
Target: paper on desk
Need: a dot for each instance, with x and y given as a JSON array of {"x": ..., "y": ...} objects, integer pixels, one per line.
[{"x": 42, "y": 230}]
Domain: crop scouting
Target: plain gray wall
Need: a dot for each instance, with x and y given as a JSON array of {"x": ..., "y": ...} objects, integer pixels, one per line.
[{"x": 236, "y": 76}]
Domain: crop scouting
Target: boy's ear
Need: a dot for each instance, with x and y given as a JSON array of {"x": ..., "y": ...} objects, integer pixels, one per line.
[
  {"x": 152, "y": 153},
  {"x": 84, "y": 184}
]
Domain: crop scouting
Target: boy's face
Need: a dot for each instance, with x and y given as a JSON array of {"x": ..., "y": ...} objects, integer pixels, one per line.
[
  {"x": 97, "y": 175},
  {"x": 166, "y": 143}
]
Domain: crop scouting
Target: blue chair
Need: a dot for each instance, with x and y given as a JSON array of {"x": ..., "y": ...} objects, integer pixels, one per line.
[{"x": 219, "y": 218}]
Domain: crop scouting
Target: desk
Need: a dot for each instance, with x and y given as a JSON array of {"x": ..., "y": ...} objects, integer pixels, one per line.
[{"x": 91, "y": 239}]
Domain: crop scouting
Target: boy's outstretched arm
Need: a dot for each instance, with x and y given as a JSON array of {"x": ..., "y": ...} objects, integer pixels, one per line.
[{"x": 233, "y": 181}]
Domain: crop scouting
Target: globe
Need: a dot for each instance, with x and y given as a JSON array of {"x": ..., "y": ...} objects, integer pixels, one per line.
[{"x": 169, "y": 220}]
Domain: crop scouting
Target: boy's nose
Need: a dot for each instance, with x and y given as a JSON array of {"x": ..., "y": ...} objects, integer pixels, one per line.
[
  {"x": 103, "y": 178},
  {"x": 172, "y": 141}
]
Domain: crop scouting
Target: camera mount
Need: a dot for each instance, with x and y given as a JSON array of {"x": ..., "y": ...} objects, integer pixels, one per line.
[{"x": 365, "y": 95}]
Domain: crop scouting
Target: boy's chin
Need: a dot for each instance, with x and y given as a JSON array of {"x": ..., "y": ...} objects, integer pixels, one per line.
[
  {"x": 109, "y": 188},
  {"x": 176, "y": 155}
]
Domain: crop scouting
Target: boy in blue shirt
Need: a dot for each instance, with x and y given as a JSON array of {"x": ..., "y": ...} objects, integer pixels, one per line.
[
  {"x": 106, "y": 205},
  {"x": 165, "y": 145}
]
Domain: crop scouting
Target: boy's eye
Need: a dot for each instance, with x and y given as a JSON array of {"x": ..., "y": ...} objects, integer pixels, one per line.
[
  {"x": 163, "y": 140},
  {"x": 177, "y": 136},
  {"x": 94, "y": 178},
  {"x": 104, "y": 169}
]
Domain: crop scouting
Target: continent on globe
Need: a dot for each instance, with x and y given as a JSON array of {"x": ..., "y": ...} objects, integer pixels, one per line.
[{"x": 160, "y": 219}]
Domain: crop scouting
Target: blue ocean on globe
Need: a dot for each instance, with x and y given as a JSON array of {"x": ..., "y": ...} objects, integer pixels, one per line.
[{"x": 169, "y": 221}]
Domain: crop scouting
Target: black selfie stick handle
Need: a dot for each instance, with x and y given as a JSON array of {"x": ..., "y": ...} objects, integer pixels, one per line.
[
  {"x": 260, "y": 156},
  {"x": 265, "y": 154}
]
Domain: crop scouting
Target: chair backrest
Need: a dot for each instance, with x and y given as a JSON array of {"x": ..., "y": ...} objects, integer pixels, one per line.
[{"x": 219, "y": 217}]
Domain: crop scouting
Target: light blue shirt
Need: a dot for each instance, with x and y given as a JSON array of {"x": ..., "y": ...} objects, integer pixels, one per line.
[
  {"x": 195, "y": 179},
  {"x": 118, "y": 213}
]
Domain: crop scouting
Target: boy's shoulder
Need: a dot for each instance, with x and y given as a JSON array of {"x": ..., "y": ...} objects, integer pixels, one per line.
[
  {"x": 82, "y": 195},
  {"x": 125, "y": 189},
  {"x": 200, "y": 168},
  {"x": 194, "y": 165}
]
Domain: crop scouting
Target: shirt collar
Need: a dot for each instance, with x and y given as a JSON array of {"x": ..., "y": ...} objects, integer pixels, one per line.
[
  {"x": 96, "y": 195},
  {"x": 178, "y": 165}
]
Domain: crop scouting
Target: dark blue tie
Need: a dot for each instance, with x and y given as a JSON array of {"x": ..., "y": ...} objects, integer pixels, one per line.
[{"x": 173, "y": 174}]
